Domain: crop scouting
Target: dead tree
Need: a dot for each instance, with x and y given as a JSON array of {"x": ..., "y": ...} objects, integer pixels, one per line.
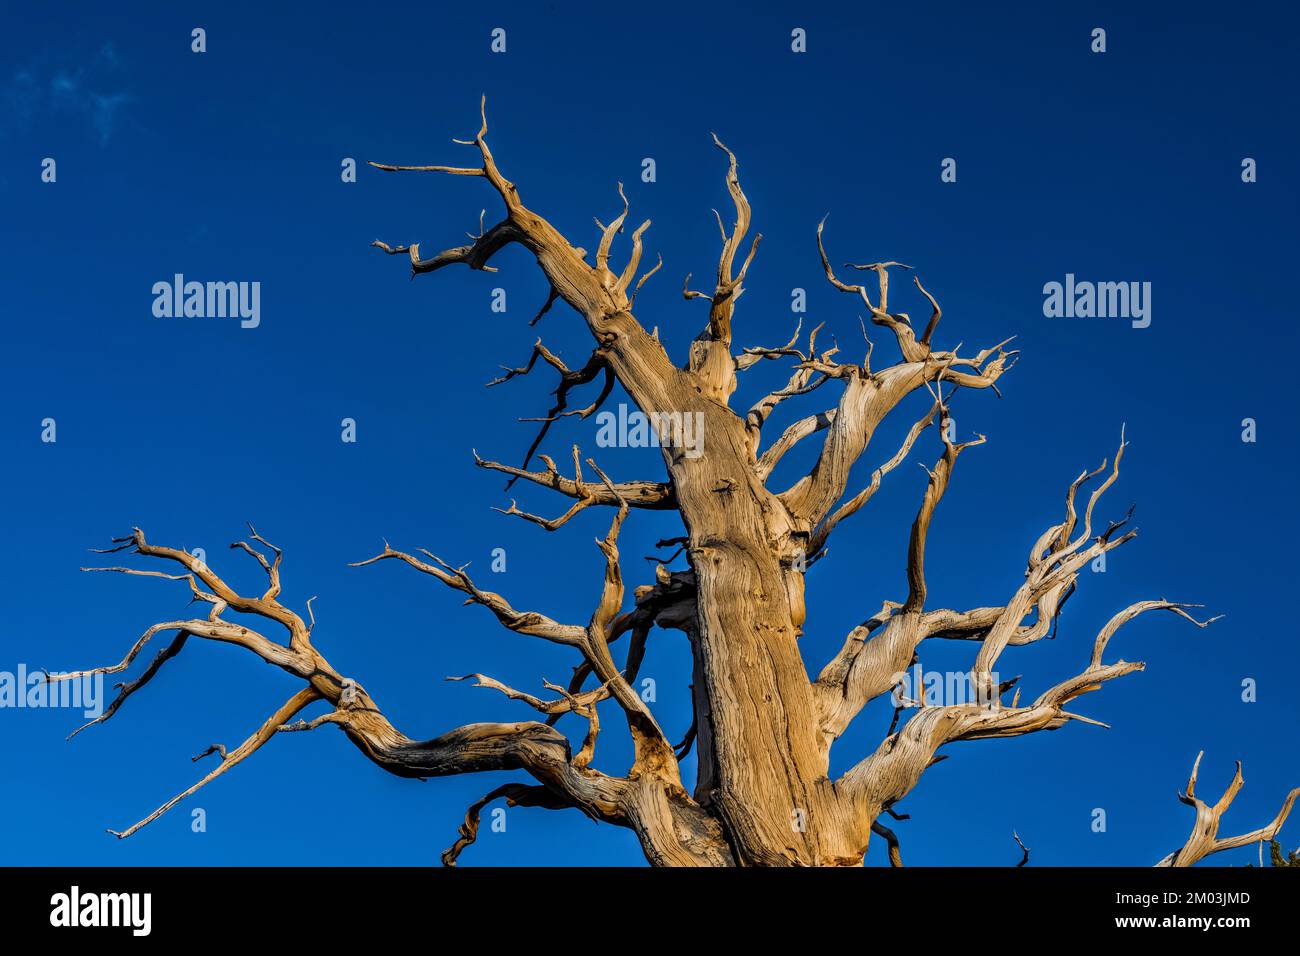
[
  {"x": 763, "y": 725},
  {"x": 1204, "y": 838}
]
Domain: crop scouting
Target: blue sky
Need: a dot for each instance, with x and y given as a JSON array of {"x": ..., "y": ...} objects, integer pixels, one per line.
[{"x": 1123, "y": 166}]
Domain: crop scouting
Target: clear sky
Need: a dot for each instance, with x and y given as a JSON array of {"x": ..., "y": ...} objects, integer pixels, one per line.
[{"x": 1122, "y": 166}]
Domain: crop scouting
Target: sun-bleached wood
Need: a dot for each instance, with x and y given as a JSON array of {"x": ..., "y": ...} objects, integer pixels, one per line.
[
  {"x": 763, "y": 726},
  {"x": 1204, "y": 838}
]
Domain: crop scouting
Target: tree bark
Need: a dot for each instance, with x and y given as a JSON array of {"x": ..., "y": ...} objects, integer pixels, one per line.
[{"x": 763, "y": 729}]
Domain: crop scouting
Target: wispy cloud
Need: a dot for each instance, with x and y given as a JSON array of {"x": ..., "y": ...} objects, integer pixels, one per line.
[{"x": 90, "y": 90}]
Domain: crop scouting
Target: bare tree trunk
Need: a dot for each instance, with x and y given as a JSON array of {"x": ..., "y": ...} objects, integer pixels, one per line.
[{"x": 763, "y": 728}]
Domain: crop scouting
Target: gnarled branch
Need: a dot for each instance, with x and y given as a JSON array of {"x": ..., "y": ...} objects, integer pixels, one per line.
[{"x": 1204, "y": 838}]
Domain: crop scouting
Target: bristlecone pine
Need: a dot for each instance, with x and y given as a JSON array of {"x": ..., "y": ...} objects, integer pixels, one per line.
[{"x": 763, "y": 729}]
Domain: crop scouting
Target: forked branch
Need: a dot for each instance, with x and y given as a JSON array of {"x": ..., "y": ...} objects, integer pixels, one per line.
[{"x": 1204, "y": 838}]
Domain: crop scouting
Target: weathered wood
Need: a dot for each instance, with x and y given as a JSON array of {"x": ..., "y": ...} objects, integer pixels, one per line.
[{"x": 763, "y": 730}]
